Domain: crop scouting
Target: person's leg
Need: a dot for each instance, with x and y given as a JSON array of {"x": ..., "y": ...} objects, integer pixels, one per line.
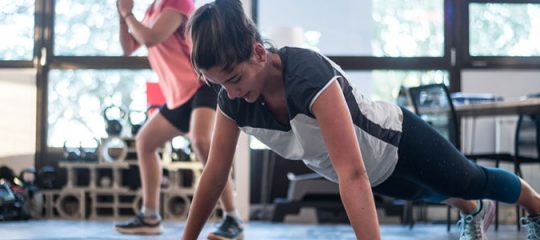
[
  {"x": 153, "y": 135},
  {"x": 528, "y": 199},
  {"x": 202, "y": 124},
  {"x": 427, "y": 158}
]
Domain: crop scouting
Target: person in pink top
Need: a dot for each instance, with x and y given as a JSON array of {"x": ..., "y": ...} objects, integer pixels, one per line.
[{"x": 190, "y": 107}]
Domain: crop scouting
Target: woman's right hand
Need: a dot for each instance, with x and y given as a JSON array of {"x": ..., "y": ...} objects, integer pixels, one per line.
[{"x": 124, "y": 7}]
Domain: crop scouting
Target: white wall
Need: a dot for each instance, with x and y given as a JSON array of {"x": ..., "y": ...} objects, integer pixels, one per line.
[
  {"x": 18, "y": 118},
  {"x": 506, "y": 83}
]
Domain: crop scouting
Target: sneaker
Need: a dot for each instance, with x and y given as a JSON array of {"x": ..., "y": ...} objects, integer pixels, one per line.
[
  {"x": 474, "y": 226},
  {"x": 229, "y": 229},
  {"x": 533, "y": 227},
  {"x": 137, "y": 225}
]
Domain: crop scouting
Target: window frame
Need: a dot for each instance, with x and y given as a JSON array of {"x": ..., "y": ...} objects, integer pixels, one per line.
[{"x": 492, "y": 62}]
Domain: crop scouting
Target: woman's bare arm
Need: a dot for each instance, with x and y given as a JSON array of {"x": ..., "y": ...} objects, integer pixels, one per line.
[
  {"x": 339, "y": 135},
  {"x": 214, "y": 176}
]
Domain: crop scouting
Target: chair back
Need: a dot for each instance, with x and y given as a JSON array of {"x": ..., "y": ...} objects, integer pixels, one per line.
[
  {"x": 527, "y": 138},
  {"x": 434, "y": 105}
]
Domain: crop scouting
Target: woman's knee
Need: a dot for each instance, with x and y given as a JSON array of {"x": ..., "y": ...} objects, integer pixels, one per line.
[
  {"x": 144, "y": 144},
  {"x": 200, "y": 144}
]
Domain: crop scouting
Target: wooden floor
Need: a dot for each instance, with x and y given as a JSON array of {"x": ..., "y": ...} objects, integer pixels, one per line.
[{"x": 90, "y": 229}]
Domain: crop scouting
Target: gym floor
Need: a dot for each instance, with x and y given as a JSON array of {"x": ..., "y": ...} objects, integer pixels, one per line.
[{"x": 91, "y": 229}]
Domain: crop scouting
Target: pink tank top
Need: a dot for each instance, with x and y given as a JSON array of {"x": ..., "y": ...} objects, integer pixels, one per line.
[{"x": 171, "y": 59}]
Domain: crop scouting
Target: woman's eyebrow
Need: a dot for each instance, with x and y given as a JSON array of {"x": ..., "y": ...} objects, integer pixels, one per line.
[{"x": 231, "y": 78}]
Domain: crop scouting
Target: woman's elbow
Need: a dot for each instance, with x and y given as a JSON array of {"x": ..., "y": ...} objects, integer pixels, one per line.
[
  {"x": 354, "y": 175},
  {"x": 150, "y": 43},
  {"x": 127, "y": 53},
  {"x": 151, "y": 40}
]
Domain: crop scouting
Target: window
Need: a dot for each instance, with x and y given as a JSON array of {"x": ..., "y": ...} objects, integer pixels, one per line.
[
  {"x": 90, "y": 28},
  {"x": 504, "y": 29},
  {"x": 384, "y": 85},
  {"x": 77, "y": 99},
  {"x": 17, "y": 26},
  {"x": 380, "y": 28}
]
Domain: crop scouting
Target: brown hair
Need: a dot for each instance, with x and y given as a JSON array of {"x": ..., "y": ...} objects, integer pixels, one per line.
[{"x": 222, "y": 35}]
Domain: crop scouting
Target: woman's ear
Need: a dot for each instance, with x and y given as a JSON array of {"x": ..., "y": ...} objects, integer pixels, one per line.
[{"x": 260, "y": 52}]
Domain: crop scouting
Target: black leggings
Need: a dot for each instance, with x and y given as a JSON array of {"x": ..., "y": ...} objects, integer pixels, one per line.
[{"x": 430, "y": 168}]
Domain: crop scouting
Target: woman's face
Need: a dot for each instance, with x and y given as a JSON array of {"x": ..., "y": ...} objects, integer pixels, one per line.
[{"x": 246, "y": 79}]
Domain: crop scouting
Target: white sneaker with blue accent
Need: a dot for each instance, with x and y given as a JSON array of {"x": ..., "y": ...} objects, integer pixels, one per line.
[
  {"x": 533, "y": 227},
  {"x": 474, "y": 226}
]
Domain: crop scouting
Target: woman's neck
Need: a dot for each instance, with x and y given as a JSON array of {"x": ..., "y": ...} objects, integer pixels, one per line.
[{"x": 273, "y": 87}]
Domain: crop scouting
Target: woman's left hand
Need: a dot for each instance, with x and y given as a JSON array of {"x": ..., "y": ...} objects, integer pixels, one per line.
[{"x": 124, "y": 7}]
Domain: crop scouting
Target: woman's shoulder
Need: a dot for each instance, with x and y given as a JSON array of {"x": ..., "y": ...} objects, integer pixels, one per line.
[
  {"x": 295, "y": 54},
  {"x": 185, "y": 7},
  {"x": 304, "y": 63}
]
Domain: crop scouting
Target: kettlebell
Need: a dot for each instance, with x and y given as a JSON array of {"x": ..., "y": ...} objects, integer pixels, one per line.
[
  {"x": 46, "y": 177},
  {"x": 181, "y": 149},
  {"x": 90, "y": 153},
  {"x": 114, "y": 125},
  {"x": 136, "y": 119},
  {"x": 151, "y": 110},
  {"x": 72, "y": 153}
]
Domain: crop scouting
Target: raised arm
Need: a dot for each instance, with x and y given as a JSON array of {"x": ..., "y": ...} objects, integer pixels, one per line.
[
  {"x": 129, "y": 44},
  {"x": 214, "y": 176},
  {"x": 133, "y": 33},
  {"x": 338, "y": 132}
]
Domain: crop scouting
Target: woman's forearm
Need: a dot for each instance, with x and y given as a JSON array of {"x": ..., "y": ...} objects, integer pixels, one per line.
[
  {"x": 357, "y": 198},
  {"x": 129, "y": 45},
  {"x": 206, "y": 196},
  {"x": 142, "y": 34}
]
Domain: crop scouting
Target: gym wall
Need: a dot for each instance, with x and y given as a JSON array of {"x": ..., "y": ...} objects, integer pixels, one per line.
[{"x": 18, "y": 113}]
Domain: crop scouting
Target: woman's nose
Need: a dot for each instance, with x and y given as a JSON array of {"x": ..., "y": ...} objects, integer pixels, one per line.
[{"x": 232, "y": 93}]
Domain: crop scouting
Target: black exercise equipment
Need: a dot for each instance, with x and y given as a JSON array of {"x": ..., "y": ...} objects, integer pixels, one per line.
[
  {"x": 72, "y": 153},
  {"x": 89, "y": 152},
  {"x": 114, "y": 123},
  {"x": 11, "y": 208},
  {"x": 181, "y": 150},
  {"x": 136, "y": 120},
  {"x": 20, "y": 198},
  {"x": 7, "y": 173},
  {"x": 46, "y": 177}
]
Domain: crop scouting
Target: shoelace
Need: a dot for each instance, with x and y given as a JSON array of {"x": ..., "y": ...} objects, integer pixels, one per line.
[
  {"x": 469, "y": 228},
  {"x": 533, "y": 228}
]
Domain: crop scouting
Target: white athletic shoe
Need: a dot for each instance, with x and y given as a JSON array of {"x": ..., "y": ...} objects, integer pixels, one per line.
[
  {"x": 533, "y": 227},
  {"x": 474, "y": 226}
]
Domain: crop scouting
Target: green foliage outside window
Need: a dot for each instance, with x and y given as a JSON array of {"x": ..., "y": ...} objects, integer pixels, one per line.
[
  {"x": 77, "y": 99},
  {"x": 17, "y": 28}
]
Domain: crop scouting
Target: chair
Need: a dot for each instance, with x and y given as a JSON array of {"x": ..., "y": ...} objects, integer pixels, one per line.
[{"x": 527, "y": 140}]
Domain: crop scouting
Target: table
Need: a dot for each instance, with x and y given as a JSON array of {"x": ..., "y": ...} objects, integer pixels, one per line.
[{"x": 512, "y": 107}]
